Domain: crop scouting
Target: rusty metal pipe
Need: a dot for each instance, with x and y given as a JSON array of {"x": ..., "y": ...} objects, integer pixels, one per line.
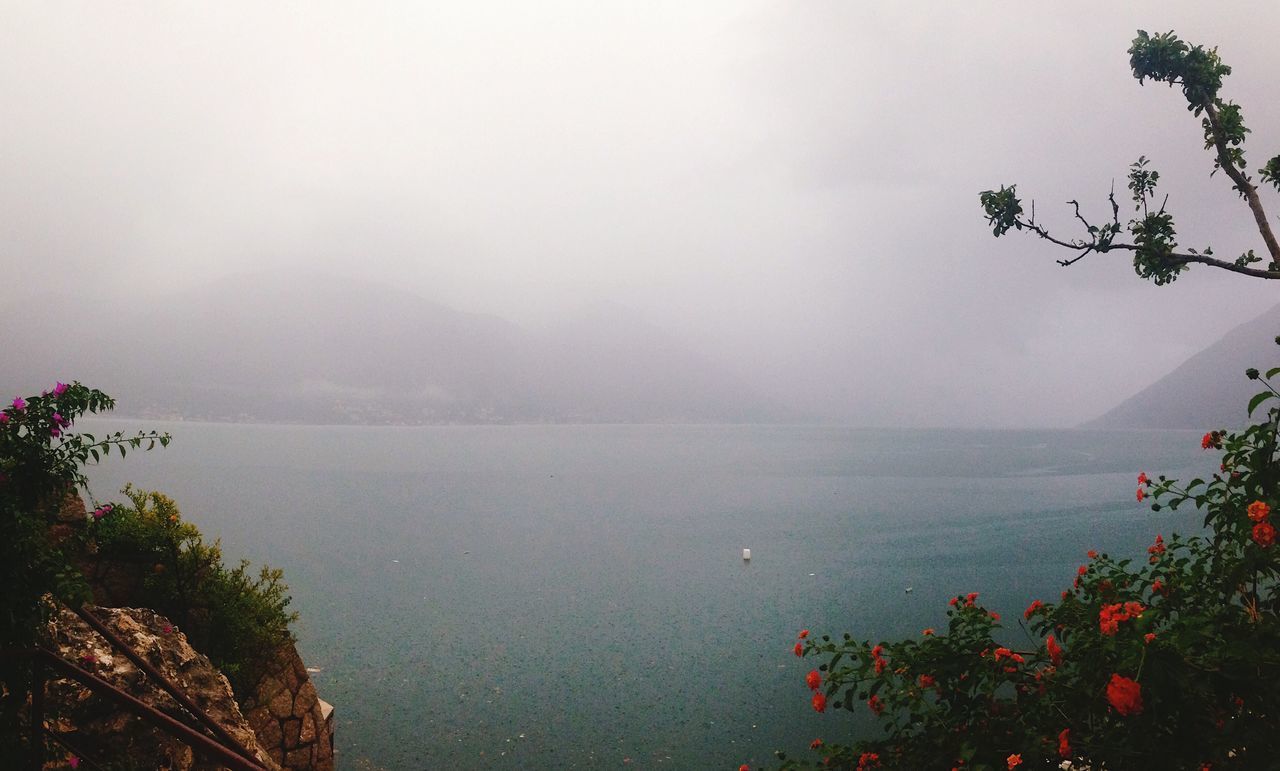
[
  {"x": 196, "y": 740},
  {"x": 190, "y": 706}
]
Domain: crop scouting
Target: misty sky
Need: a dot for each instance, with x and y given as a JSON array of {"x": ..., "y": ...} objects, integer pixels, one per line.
[{"x": 790, "y": 187}]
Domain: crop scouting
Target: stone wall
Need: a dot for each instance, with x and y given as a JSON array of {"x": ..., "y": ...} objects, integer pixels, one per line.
[
  {"x": 107, "y": 732},
  {"x": 290, "y": 719}
]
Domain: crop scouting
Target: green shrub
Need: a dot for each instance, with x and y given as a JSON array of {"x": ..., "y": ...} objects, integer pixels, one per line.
[{"x": 234, "y": 616}]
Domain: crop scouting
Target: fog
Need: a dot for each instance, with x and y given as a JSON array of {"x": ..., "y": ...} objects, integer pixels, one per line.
[{"x": 788, "y": 189}]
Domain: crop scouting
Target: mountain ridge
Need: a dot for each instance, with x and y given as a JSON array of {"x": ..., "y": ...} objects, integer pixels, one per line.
[{"x": 311, "y": 348}]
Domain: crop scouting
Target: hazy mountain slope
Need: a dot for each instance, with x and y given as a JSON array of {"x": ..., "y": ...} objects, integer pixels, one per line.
[
  {"x": 1208, "y": 390},
  {"x": 280, "y": 347}
]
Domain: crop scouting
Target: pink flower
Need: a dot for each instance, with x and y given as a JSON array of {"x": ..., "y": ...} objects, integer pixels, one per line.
[
  {"x": 73, "y": 761},
  {"x": 19, "y": 404},
  {"x": 60, "y": 388},
  {"x": 4, "y": 417}
]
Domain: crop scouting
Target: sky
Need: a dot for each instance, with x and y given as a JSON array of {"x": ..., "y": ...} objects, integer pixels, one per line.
[{"x": 791, "y": 188}]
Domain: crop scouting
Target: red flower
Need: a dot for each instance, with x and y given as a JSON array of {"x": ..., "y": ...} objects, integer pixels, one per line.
[
  {"x": 1110, "y": 616},
  {"x": 1258, "y": 511},
  {"x": 803, "y": 634},
  {"x": 1082, "y": 570},
  {"x": 1055, "y": 650},
  {"x": 866, "y": 759},
  {"x": 969, "y": 599},
  {"x": 1142, "y": 493},
  {"x": 813, "y": 680},
  {"x": 1142, "y": 478},
  {"x": 1157, "y": 585},
  {"x": 1014, "y": 761},
  {"x": 1212, "y": 439},
  {"x": 875, "y": 704},
  {"x": 952, "y": 602},
  {"x": 1264, "y": 534},
  {"x": 1124, "y": 695},
  {"x": 928, "y": 632},
  {"x": 1031, "y": 609},
  {"x": 927, "y": 681},
  {"x": 819, "y": 702},
  {"x": 1156, "y": 549},
  {"x": 1148, "y": 637},
  {"x": 1064, "y": 743},
  {"x": 798, "y": 650},
  {"x": 744, "y": 767},
  {"x": 815, "y": 744},
  {"x": 1093, "y": 555},
  {"x": 994, "y": 616}
]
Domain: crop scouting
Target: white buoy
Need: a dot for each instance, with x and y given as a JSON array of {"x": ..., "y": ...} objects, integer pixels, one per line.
[
  {"x": 910, "y": 590},
  {"x": 746, "y": 555}
]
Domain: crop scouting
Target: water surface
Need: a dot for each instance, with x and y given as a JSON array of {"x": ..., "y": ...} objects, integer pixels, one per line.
[{"x": 575, "y": 597}]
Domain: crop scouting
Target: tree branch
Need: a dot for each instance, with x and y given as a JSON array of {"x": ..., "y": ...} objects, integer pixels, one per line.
[
  {"x": 1246, "y": 188},
  {"x": 1102, "y": 246}
]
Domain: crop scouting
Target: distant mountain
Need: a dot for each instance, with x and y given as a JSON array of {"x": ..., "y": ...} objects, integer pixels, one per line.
[
  {"x": 317, "y": 349},
  {"x": 1208, "y": 390}
]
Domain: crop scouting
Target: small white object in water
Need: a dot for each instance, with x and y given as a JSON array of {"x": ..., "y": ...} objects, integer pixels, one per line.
[
  {"x": 910, "y": 590},
  {"x": 813, "y": 574},
  {"x": 396, "y": 561},
  {"x": 746, "y": 555}
]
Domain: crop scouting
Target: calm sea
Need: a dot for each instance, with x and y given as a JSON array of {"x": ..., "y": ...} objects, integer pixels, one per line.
[{"x": 575, "y": 596}]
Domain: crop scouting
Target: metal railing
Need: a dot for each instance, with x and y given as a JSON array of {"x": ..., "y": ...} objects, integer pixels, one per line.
[{"x": 221, "y": 747}]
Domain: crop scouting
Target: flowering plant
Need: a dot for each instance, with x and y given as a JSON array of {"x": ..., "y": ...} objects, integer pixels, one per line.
[
  {"x": 1169, "y": 661},
  {"x": 42, "y": 460}
]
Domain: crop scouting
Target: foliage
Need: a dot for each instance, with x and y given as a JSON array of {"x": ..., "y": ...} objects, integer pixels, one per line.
[
  {"x": 41, "y": 460},
  {"x": 1170, "y": 661},
  {"x": 232, "y": 614},
  {"x": 1199, "y": 72},
  {"x": 235, "y": 618}
]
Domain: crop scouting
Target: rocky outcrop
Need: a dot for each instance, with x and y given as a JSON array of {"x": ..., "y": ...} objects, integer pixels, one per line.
[
  {"x": 107, "y": 732},
  {"x": 290, "y": 719}
]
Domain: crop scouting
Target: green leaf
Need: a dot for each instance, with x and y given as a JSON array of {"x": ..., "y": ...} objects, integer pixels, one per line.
[{"x": 1259, "y": 399}]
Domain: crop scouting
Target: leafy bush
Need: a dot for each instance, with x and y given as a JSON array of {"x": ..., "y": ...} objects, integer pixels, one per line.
[
  {"x": 235, "y": 616},
  {"x": 1168, "y": 661},
  {"x": 236, "y": 619}
]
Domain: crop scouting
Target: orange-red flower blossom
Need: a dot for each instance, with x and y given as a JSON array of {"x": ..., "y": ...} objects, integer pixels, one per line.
[
  {"x": 1055, "y": 650},
  {"x": 1258, "y": 511},
  {"x": 813, "y": 680},
  {"x": 1264, "y": 534},
  {"x": 1110, "y": 616},
  {"x": 1124, "y": 695}
]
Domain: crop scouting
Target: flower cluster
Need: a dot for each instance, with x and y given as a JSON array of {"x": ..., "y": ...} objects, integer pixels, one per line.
[
  {"x": 1264, "y": 533},
  {"x": 1110, "y": 616}
]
